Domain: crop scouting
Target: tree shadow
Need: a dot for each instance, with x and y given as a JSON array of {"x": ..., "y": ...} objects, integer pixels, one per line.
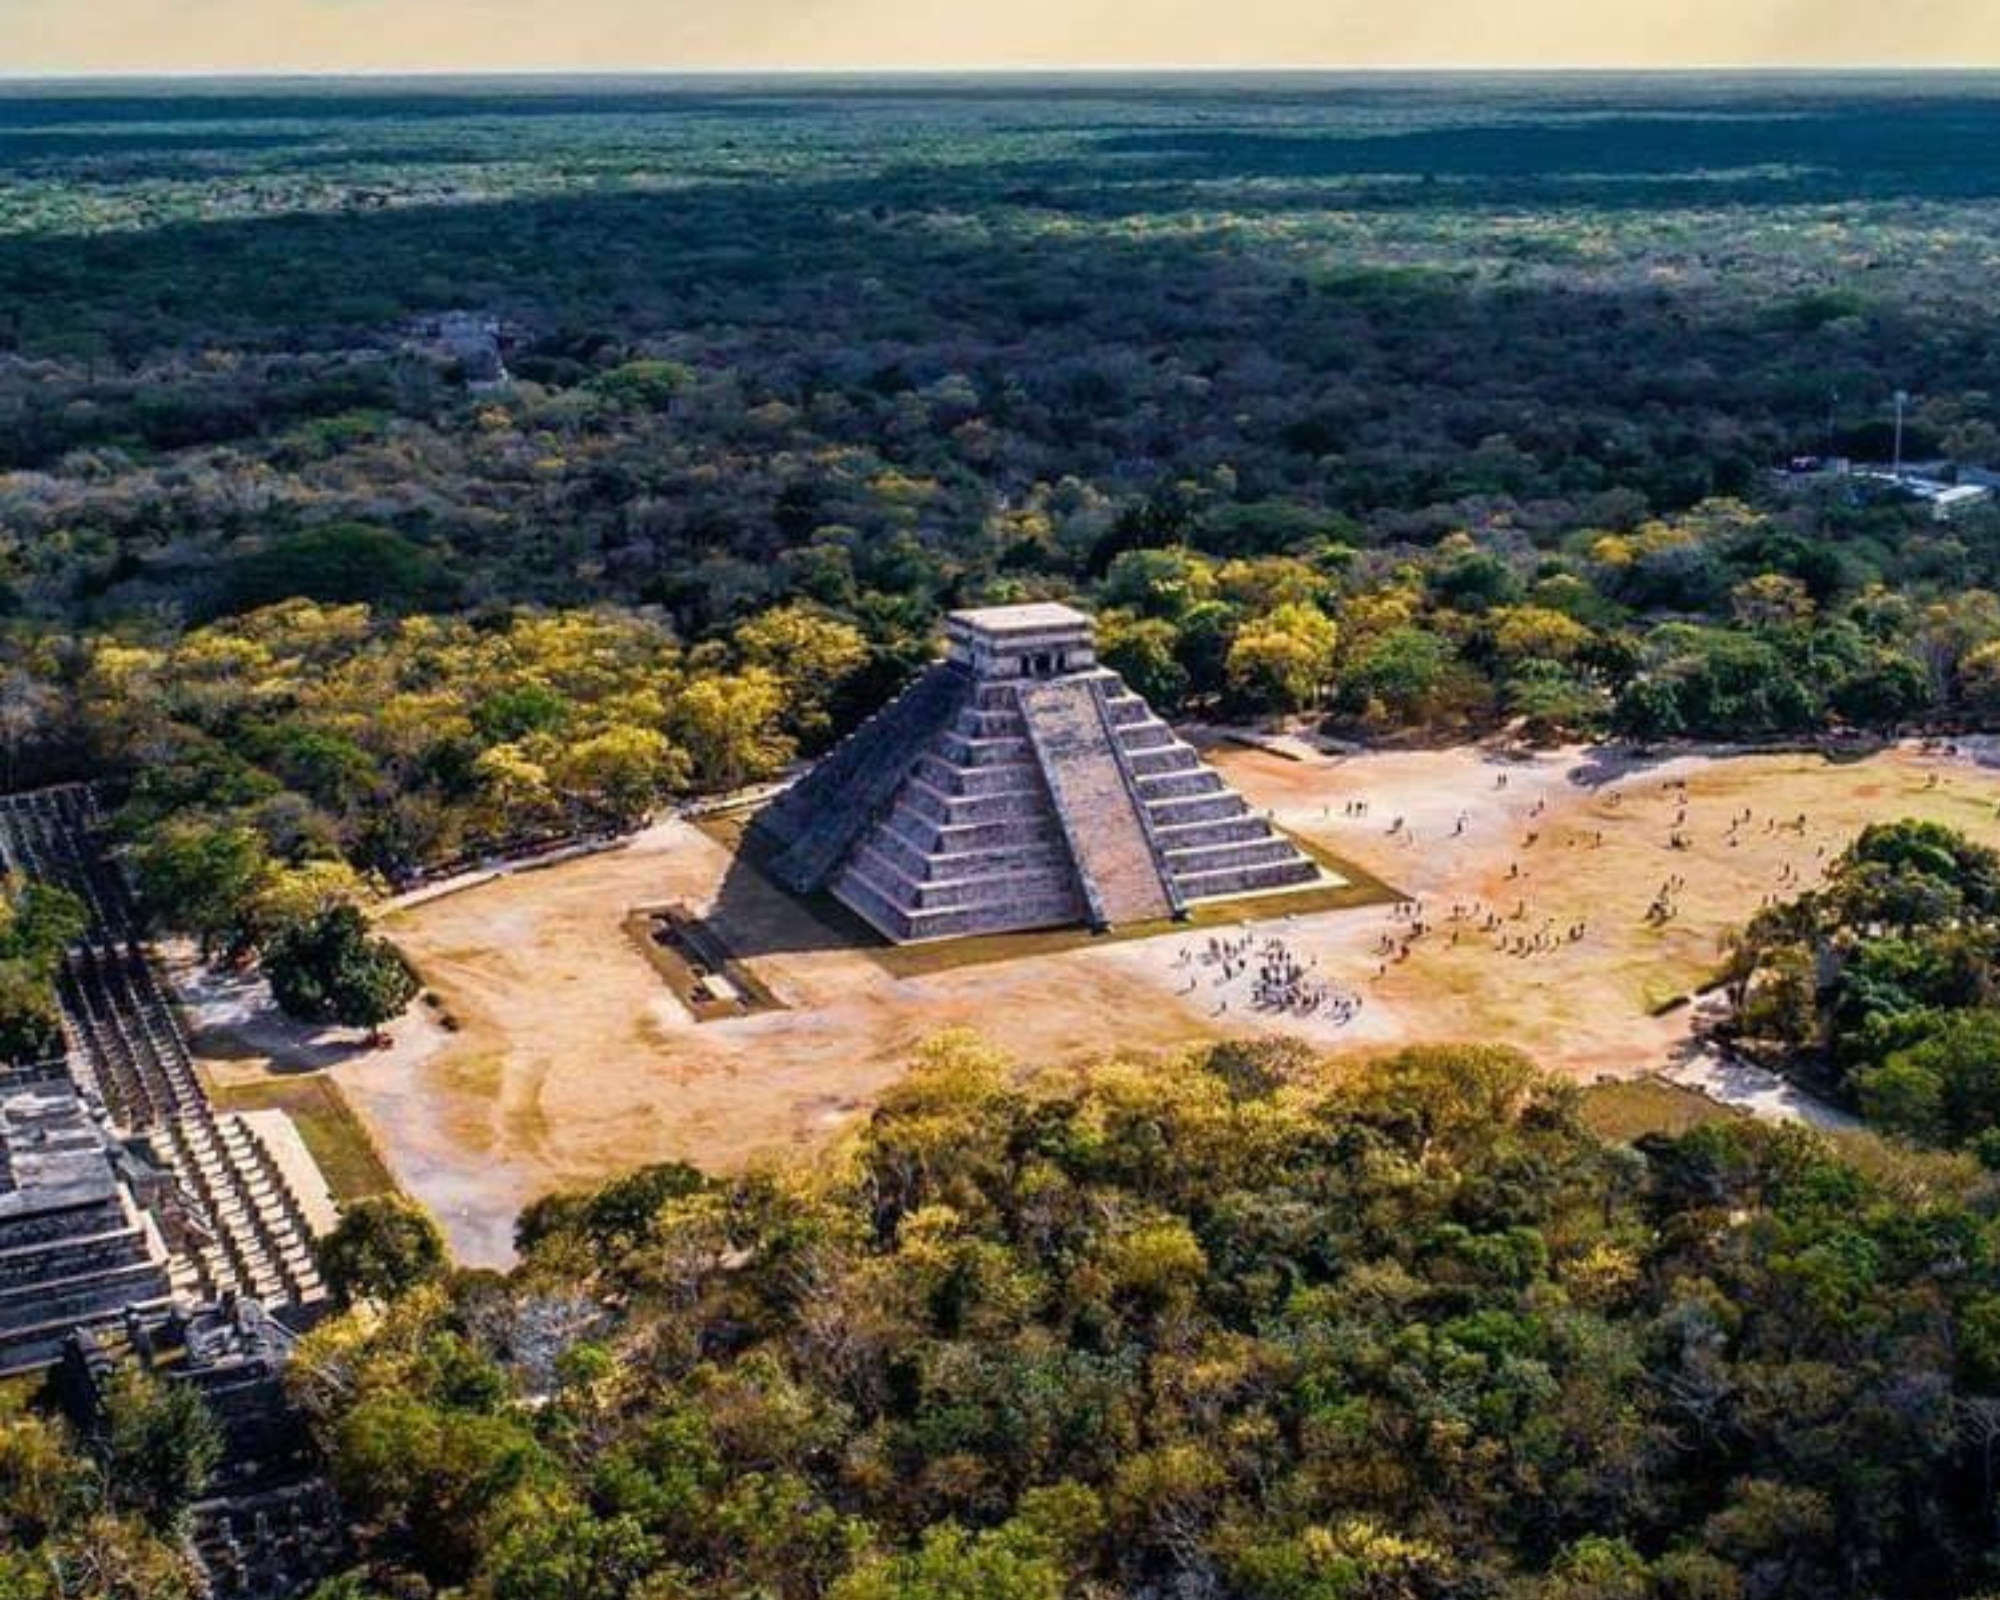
[
  {"x": 230, "y": 1016},
  {"x": 1603, "y": 765}
]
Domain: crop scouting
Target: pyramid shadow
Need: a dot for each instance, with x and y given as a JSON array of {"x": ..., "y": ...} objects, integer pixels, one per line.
[{"x": 755, "y": 916}]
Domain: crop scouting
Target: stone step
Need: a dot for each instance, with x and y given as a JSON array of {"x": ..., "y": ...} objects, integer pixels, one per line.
[
  {"x": 103, "y": 1284},
  {"x": 1174, "y": 810},
  {"x": 1220, "y": 830},
  {"x": 1232, "y": 853},
  {"x": 949, "y": 777},
  {"x": 937, "y": 866},
  {"x": 1246, "y": 880},
  {"x": 995, "y": 696},
  {"x": 981, "y": 889},
  {"x": 1151, "y": 734},
  {"x": 1107, "y": 829},
  {"x": 819, "y": 820},
  {"x": 1197, "y": 780},
  {"x": 960, "y": 810},
  {"x": 991, "y": 889},
  {"x": 1164, "y": 758},
  {"x": 39, "y": 1344},
  {"x": 978, "y": 723},
  {"x": 930, "y": 836},
  {"x": 965, "y": 750},
  {"x": 910, "y": 926},
  {"x": 1010, "y": 916}
]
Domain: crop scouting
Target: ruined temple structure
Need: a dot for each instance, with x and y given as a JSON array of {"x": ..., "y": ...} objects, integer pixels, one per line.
[
  {"x": 234, "y": 1220},
  {"x": 79, "y": 1238},
  {"x": 1019, "y": 784},
  {"x": 267, "y": 1527}
]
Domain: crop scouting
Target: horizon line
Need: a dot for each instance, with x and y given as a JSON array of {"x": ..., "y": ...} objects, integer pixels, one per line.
[{"x": 431, "y": 73}]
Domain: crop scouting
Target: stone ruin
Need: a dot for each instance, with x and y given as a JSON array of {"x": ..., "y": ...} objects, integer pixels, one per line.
[
  {"x": 267, "y": 1525},
  {"x": 80, "y": 1240},
  {"x": 1019, "y": 784},
  {"x": 129, "y": 1211}
]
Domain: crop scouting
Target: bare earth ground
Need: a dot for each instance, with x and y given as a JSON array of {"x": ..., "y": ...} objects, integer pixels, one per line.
[{"x": 571, "y": 1060}]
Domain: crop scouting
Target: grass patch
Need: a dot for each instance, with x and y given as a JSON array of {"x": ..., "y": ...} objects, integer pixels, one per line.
[
  {"x": 1359, "y": 888},
  {"x": 24, "y": 1392},
  {"x": 335, "y": 1136},
  {"x": 1662, "y": 998},
  {"x": 1622, "y": 1112}
]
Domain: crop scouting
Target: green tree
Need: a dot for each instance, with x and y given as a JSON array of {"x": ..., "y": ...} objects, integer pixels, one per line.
[
  {"x": 381, "y": 1248},
  {"x": 1943, "y": 1090},
  {"x": 158, "y": 1444},
  {"x": 45, "y": 1483},
  {"x": 1889, "y": 689},
  {"x": 329, "y": 969},
  {"x": 549, "y": 1548},
  {"x": 952, "y": 1564},
  {"x": 199, "y": 877},
  {"x": 1141, "y": 650},
  {"x": 1163, "y": 583},
  {"x": 30, "y": 1016},
  {"x": 1400, "y": 674},
  {"x": 348, "y": 1586},
  {"x": 1551, "y": 700},
  {"x": 289, "y": 897},
  {"x": 432, "y": 1478},
  {"x": 345, "y": 563},
  {"x": 39, "y": 922},
  {"x": 644, "y": 385}
]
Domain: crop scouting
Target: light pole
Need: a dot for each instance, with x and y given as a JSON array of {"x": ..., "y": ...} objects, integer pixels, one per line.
[{"x": 1902, "y": 400}]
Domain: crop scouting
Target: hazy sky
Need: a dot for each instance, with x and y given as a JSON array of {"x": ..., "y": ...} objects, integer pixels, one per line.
[{"x": 84, "y": 36}]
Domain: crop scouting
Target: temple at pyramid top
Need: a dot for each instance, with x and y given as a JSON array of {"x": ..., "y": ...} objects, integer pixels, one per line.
[
  {"x": 1019, "y": 784},
  {"x": 1032, "y": 641}
]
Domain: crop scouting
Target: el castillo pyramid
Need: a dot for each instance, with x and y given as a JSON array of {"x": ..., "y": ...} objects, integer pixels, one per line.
[{"x": 1019, "y": 784}]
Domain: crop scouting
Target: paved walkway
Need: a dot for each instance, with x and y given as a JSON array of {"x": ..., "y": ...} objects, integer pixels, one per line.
[{"x": 499, "y": 867}]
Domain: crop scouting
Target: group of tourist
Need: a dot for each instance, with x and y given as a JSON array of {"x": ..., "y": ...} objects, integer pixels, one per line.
[
  {"x": 1666, "y": 903},
  {"x": 1279, "y": 980}
]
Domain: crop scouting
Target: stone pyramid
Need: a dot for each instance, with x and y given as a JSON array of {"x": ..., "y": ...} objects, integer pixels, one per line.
[{"x": 1018, "y": 784}]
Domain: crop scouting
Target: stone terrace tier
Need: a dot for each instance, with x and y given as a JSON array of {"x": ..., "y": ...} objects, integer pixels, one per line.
[
  {"x": 971, "y": 843},
  {"x": 77, "y": 1246},
  {"x": 1020, "y": 785}
]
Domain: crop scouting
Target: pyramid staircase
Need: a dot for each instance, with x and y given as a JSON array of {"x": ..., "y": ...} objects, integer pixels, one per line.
[{"x": 1104, "y": 822}]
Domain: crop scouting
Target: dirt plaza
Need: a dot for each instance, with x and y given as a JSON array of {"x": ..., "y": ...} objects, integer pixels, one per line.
[{"x": 1565, "y": 899}]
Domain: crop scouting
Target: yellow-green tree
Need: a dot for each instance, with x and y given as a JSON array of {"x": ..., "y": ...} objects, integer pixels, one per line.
[
  {"x": 622, "y": 772},
  {"x": 732, "y": 726},
  {"x": 1283, "y": 660},
  {"x": 810, "y": 653},
  {"x": 1527, "y": 633}
]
